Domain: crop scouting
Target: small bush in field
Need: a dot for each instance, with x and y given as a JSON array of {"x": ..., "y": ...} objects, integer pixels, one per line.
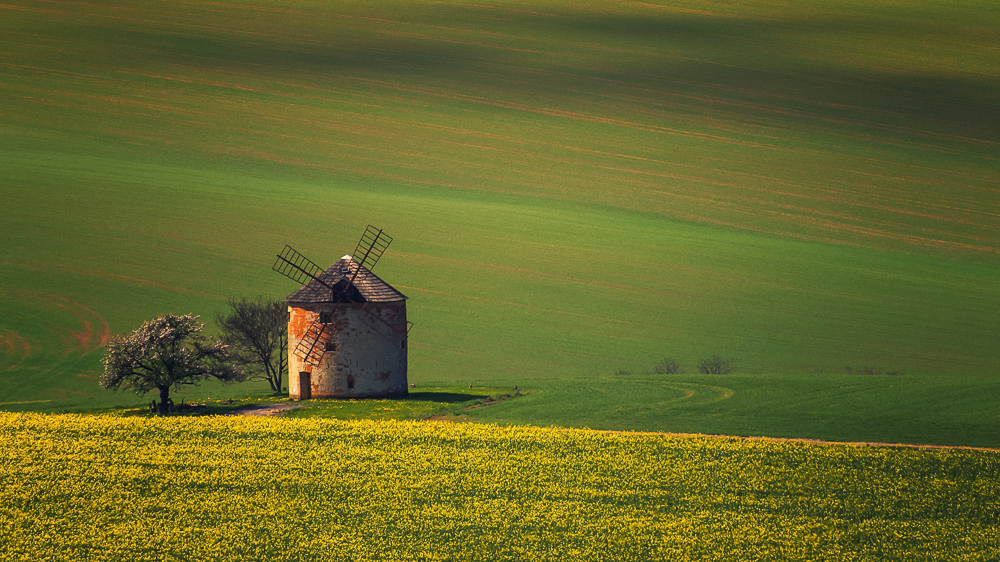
[
  {"x": 667, "y": 367},
  {"x": 716, "y": 366}
]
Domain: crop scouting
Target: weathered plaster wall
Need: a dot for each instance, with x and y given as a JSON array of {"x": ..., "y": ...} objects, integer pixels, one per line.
[{"x": 367, "y": 359}]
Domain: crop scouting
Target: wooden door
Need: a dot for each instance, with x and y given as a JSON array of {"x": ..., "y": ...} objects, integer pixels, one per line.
[{"x": 305, "y": 386}]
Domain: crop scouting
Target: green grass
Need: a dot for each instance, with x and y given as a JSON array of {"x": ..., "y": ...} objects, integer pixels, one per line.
[
  {"x": 573, "y": 188},
  {"x": 420, "y": 404},
  {"x": 929, "y": 410},
  {"x": 883, "y": 409}
]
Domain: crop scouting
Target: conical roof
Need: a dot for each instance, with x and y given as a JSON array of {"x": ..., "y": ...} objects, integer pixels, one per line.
[{"x": 368, "y": 287}]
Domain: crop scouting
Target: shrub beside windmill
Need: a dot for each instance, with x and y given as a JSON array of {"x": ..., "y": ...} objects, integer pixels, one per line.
[{"x": 347, "y": 328}]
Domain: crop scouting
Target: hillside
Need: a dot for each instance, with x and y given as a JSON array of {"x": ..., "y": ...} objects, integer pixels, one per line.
[{"x": 574, "y": 188}]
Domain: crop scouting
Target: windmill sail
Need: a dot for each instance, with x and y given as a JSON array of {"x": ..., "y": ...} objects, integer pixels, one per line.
[
  {"x": 348, "y": 281},
  {"x": 370, "y": 248},
  {"x": 312, "y": 346},
  {"x": 297, "y": 267}
]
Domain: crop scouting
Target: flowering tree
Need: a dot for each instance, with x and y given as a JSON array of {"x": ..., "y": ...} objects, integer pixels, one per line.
[{"x": 165, "y": 352}]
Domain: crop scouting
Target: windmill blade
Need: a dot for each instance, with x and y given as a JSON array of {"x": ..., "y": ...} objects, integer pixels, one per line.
[
  {"x": 377, "y": 325},
  {"x": 312, "y": 346},
  {"x": 297, "y": 267},
  {"x": 382, "y": 327},
  {"x": 370, "y": 248}
]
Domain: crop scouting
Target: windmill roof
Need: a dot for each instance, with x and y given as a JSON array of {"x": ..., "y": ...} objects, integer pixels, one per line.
[{"x": 369, "y": 285}]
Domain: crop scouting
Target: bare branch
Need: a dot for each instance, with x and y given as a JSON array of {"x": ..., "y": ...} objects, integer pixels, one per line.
[{"x": 256, "y": 332}]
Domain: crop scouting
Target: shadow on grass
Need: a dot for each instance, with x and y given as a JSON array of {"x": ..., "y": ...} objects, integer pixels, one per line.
[
  {"x": 414, "y": 406},
  {"x": 449, "y": 397}
]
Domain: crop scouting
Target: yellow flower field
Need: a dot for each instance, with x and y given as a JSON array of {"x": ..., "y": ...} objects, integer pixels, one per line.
[{"x": 239, "y": 488}]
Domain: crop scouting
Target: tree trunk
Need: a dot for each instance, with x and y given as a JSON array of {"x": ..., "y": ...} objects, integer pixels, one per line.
[
  {"x": 164, "y": 397},
  {"x": 270, "y": 377}
]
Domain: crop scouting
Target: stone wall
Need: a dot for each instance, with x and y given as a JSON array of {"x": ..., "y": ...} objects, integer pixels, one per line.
[{"x": 362, "y": 356}]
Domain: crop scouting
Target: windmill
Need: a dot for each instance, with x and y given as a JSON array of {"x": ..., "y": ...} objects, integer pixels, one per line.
[{"x": 344, "y": 304}]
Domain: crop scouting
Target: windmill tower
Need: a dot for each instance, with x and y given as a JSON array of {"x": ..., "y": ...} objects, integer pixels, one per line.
[{"x": 347, "y": 328}]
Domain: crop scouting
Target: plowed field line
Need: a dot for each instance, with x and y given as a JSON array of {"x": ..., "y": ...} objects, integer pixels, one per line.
[
  {"x": 11, "y": 342},
  {"x": 88, "y": 339}
]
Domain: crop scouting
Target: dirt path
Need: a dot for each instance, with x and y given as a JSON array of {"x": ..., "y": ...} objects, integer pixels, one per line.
[{"x": 262, "y": 410}]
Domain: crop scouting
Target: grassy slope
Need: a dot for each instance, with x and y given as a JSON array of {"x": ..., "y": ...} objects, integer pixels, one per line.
[
  {"x": 882, "y": 409},
  {"x": 574, "y": 188}
]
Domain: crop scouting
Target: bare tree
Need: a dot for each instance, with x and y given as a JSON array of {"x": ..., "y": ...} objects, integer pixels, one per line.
[
  {"x": 667, "y": 367},
  {"x": 256, "y": 331},
  {"x": 716, "y": 366},
  {"x": 164, "y": 353}
]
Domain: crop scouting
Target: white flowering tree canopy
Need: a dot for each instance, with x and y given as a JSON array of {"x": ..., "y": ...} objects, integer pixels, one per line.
[{"x": 164, "y": 353}]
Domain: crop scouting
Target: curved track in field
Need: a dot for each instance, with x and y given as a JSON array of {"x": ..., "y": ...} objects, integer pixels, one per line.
[
  {"x": 13, "y": 346},
  {"x": 90, "y": 332},
  {"x": 53, "y": 324},
  {"x": 700, "y": 393}
]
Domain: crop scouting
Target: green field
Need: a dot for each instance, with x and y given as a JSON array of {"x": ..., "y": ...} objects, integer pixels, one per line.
[
  {"x": 574, "y": 189},
  {"x": 577, "y": 190},
  {"x": 925, "y": 410},
  {"x": 105, "y": 488}
]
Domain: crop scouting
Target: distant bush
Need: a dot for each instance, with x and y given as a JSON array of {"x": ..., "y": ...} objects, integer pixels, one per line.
[
  {"x": 623, "y": 373},
  {"x": 869, "y": 370},
  {"x": 716, "y": 366},
  {"x": 667, "y": 367}
]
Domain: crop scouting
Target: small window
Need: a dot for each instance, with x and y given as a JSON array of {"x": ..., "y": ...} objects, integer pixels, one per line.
[
  {"x": 402, "y": 345},
  {"x": 331, "y": 346},
  {"x": 325, "y": 318},
  {"x": 350, "y": 381}
]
